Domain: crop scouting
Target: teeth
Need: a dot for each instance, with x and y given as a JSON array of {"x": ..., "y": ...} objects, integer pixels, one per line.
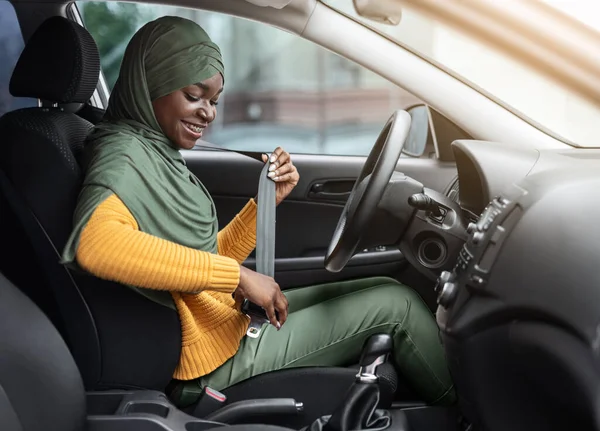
[{"x": 194, "y": 128}]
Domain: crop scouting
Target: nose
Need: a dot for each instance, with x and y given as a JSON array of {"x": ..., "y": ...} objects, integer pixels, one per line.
[{"x": 206, "y": 113}]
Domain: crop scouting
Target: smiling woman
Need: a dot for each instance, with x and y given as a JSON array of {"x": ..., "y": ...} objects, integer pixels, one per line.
[
  {"x": 184, "y": 114},
  {"x": 145, "y": 220}
]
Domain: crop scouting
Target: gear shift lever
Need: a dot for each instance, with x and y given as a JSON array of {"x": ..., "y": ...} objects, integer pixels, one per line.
[
  {"x": 358, "y": 409},
  {"x": 374, "y": 353}
]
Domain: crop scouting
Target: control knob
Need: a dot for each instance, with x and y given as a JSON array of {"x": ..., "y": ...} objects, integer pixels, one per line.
[
  {"x": 444, "y": 278},
  {"x": 447, "y": 294},
  {"x": 477, "y": 237}
]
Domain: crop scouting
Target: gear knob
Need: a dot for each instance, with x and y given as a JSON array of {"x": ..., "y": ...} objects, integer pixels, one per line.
[
  {"x": 374, "y": 353},
  {"x": 377, "y": 345}
]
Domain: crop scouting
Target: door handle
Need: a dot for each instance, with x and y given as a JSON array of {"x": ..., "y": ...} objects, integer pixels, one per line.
[{"x": 331, "y": 191}]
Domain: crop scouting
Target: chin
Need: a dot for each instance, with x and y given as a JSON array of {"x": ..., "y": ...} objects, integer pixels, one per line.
[{"x": 185, "y": 145}]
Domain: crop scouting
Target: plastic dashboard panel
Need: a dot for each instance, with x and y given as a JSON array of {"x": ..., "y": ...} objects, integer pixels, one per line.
[
  {"x": 485, "y": 168},
  {"x": 519, "y": 311}
]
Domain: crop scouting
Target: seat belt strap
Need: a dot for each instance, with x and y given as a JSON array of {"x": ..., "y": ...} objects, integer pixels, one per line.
[
  {"x": 265, "y": 213},
  {"x": 265, "y": 246},
  {"x": 265, "y": 224},
  {"x": 265, "y": 234}
]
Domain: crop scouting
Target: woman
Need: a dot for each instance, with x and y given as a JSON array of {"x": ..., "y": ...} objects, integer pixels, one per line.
[{"x": 144, "y": 220}]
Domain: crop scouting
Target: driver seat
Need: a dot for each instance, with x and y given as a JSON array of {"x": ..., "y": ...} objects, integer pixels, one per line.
[{"x": 119, "y": 338}]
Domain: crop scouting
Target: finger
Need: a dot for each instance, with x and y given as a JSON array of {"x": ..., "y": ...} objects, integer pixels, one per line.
[
  {"x": 291, "y": 178},
  {"x": 282, "y": 309},
  {"x": 275, "y": 154},
  {"x": 271, "y": 316},
  {"x": 282, "y": 158},
  {"x": 285, "y": 169}
]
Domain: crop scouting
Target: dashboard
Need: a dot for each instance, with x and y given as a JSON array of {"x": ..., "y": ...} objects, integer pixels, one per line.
[
  {"x": 485, "y": 168},
  {"x": 519, "y": 311}
]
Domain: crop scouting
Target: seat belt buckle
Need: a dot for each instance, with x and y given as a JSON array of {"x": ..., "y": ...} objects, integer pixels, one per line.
[
  {"x": 209, "y": 402},
  {"x": 258, "y": 317}
]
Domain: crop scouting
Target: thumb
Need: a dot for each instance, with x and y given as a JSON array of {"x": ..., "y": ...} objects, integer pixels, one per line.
[{"x": 265, "y": 158}]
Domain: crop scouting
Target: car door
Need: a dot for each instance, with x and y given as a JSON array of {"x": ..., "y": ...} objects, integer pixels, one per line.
[{"x": 307, "y": 218}]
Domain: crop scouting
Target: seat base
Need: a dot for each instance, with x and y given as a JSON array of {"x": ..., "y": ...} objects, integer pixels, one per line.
[{"x": 319, "y": 389}]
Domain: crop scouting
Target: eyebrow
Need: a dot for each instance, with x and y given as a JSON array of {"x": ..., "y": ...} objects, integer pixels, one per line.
[{"x": 204, "y": 87}]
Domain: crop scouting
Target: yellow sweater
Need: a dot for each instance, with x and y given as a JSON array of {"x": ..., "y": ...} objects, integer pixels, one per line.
[{"x": 201, "y": 283}]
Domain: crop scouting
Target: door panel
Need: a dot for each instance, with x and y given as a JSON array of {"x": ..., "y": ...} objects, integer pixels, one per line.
[{"x": 306, "y": 220}]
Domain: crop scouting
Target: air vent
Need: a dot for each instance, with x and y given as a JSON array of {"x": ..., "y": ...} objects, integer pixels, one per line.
[{"x": 452, "y": 193}]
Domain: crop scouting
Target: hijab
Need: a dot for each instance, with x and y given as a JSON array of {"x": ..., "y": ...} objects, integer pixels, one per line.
[{"x": 128, "y": 154}]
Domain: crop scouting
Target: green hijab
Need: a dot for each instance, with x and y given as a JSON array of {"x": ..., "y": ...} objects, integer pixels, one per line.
[{"x": 127, "y": 153}]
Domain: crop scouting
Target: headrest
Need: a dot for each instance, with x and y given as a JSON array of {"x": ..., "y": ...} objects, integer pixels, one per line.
[{"x": 60, "y": 63}]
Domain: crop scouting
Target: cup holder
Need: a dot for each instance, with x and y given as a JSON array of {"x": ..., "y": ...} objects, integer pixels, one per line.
[{"x": 149, "y": 408}]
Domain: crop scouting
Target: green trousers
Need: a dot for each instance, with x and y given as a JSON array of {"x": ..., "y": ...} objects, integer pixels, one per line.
[{"x": 328, "y": 325}]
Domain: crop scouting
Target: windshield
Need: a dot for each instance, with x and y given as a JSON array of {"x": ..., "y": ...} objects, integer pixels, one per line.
[{"x": 528, "y": 93}]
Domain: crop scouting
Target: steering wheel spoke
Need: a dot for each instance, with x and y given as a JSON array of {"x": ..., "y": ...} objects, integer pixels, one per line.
[{"x": 368, "y": 191}]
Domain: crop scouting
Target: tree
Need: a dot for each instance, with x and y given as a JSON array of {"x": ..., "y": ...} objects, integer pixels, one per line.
[{"x": 112, "y": 25}]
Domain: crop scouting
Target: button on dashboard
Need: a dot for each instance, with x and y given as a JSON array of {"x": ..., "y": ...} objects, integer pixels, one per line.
[
  {"x": 477, "y": 281},
  {"x": 472, "y": 227},
  {"x": 448, "y": 294},
  {"x": 477, "y": 237}
]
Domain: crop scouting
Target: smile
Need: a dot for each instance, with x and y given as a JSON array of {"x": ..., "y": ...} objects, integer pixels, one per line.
[{"x": 195, "y": 129}]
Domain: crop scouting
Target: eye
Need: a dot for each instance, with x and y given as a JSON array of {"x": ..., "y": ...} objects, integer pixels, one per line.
[
  {"x": 214, "y": 102},
  {"x": 191, "y": 98}
]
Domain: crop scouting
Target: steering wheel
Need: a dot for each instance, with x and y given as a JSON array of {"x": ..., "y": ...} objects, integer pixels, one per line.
[{"x": 367, "y": 191}]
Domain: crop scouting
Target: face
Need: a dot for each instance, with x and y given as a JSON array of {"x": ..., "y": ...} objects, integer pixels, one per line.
[{"x": 184, "y": 114}]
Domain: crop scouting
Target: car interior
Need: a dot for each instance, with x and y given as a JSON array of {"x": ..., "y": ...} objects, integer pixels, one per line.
[{"x": 497, "y": 238}]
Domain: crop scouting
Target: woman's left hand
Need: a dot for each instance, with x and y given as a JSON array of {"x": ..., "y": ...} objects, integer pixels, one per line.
[{"x": 283, "y": 172}]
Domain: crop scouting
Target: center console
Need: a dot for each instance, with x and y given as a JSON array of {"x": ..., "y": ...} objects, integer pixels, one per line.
[
  {"x": 477, "y": 256},
  {"x": 518, "y": 312},
  {"x": 151, "y": 410},
  {"x": 465, "y": 304},
  {"x": 358, "y": 409}
]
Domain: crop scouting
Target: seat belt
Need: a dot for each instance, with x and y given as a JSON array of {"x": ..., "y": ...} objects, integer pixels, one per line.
[
  {"x": 190, "y": 392},
  {"x": 265, "y": 224},
  {"x": 265, "y": 247},
  {"x": 265, "y": 235},
  {"x": 265, "y": 213}
]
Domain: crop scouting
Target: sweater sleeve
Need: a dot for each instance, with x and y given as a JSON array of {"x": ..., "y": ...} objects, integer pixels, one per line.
[
  {"x": 238, "y": 238},
  {"x": 112, "y": 247}
]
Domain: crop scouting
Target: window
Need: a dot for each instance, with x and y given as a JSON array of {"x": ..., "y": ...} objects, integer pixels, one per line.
[
  {"x": 280, "y": 89},
  {"x": 11, "y": 45},
  {"x": 563, "y": 113}
]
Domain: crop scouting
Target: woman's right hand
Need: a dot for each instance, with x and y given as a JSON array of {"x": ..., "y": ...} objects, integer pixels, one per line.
[{"x": 264, "y": 292}]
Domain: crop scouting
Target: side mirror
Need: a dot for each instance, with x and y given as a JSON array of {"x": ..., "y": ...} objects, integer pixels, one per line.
[
  {"x": 419, "y": 135},
  {"x": 382, "y": 11}
]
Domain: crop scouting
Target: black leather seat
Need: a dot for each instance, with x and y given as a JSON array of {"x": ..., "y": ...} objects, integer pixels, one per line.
[
  {"x": 41, "y": 389},
  {"x": 119, "y": 338}
]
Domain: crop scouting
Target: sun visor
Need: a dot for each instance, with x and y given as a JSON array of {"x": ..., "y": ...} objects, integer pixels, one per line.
[{"x": 277, "y": 4}]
